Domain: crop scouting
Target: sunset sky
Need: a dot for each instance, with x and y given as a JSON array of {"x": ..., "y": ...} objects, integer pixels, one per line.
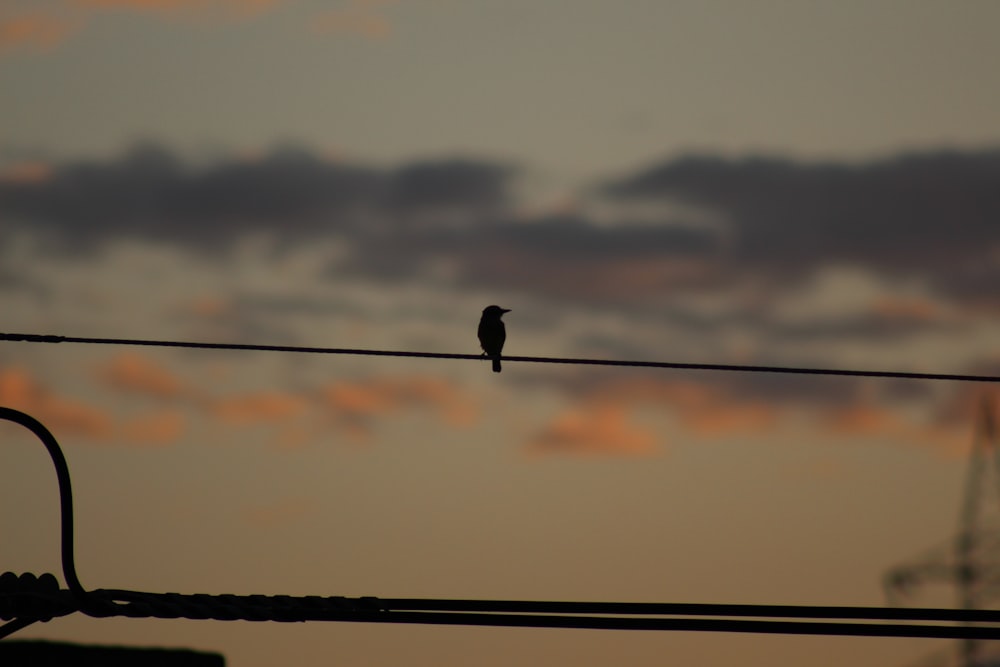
[{"x": 781, "y": 183}]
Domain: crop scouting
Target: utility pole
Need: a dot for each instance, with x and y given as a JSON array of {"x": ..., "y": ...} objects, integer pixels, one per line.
[{"x": 972, "y": 560}]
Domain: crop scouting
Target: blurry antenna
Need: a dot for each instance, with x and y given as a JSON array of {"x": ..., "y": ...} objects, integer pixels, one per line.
[{"x": 971, "y": 560}]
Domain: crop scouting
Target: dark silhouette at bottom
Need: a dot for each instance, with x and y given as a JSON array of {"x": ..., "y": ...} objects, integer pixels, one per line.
[{"x": 20, "y": 653}]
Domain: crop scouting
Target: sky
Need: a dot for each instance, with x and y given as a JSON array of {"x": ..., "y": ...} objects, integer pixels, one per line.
[{"x": 772, "y": 183}]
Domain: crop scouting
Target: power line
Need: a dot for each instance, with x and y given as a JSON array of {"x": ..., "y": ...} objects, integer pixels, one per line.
[
  {"x": 27, "y": 604},
  {"x": 813, "y": 612},
  {"x": 906, "y": 375}
]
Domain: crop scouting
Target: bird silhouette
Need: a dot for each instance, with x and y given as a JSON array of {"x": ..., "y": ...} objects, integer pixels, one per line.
[{"x": 492, "y": 333}]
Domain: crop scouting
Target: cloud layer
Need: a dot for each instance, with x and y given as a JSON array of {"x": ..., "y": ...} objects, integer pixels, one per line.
[{"x": 930, "y": 217}]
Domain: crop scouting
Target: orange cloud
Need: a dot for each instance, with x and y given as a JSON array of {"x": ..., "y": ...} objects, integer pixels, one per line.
[
  {"x": 723, "y": 419},
  {"x": 705, "y": 410},
  {"x": 356, "y": 403},
  {"x": 709, "y": 411},
  {"x": 25, "y": 173},
  {"x": 359, "y": 17},
  {"x": 295, "y": 418},
  {"x": 36, "y": 31},
  {"x": 44, "y": 30},
  {"x": 702, "y": 410},
  {"x": 600, "y": 430},
  {"x": 906, "y": 309},
  {"x": 67, "y": 416},
  {"x": 137, "y": 375},
  {"x": 359, "y": 399},
  {"x": 208, "y": 306},
  {"x": 62, "y": 416},
  {"x": 299, "y": 417},
  {"x": 236, "y": 8},
  {"x": 862, "y": 420},
  {"x": 452, "y": 406},
  {"x": 257, "y": 408},
  {"x": 132, "y": 373},
  {"x": 283, "y": 412},
  {"x": 948, "y": 437},
  {"x": 160, "y": 428}
]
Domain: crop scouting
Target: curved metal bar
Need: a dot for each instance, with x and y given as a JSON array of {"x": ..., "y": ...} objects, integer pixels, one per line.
[{"x": 65, "y": 497}]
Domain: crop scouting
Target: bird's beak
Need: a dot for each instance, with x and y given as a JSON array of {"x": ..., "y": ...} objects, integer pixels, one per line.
[{"x": 505, "y": 310}]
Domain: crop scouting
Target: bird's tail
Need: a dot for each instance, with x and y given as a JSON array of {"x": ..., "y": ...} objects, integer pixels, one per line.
[{"x": 496, "y": 364}]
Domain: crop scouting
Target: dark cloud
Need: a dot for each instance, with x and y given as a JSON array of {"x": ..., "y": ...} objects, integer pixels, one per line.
[
  {"x": 449, "y": 187},
  {"x": 858, "y": 327},
  {"x": 576, "y": 238},
  {"x": 149, "y": 193},
  {"x": 933, "y": 214},
  {"x": 566, "y": 256},
  {"x": 776, "y": 388},
  {"x": 13, "y": 281},
  {"x": 286, "y": 190},
  {"x": 577, "y": 259}
]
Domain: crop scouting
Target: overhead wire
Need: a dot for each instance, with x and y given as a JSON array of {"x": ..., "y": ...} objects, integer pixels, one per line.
[{"x": 745, "y": 368}]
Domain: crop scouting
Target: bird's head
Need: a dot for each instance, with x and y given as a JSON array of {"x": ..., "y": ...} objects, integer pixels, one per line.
[{"x": 494, "y": 311}]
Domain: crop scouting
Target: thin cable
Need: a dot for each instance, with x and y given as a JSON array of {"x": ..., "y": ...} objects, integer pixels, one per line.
[
  {"x": 695, "y": 609},
  {"x": 288, "y": 609},
  {"x": 45, "y": 338},
  {"x": 685, "y": 625}
]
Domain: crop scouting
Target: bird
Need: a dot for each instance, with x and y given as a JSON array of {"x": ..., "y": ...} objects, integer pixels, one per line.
[{"x": 492, "y": 333}]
